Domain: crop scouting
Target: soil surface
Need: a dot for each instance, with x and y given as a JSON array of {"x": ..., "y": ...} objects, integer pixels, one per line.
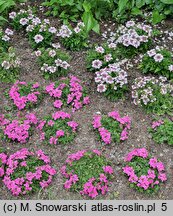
[{"x": 86, "y": 138}]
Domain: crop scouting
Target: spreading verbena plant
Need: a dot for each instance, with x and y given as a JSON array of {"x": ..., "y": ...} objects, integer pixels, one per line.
[
  {"x": 58, "y": 128},
  {"x": 112, "y": 128},
  {"x": 26, "y": 95},
  {"x": 68, "y": 91},
  {"x": 17, "y": 130},
  {"x": 21, "y": 19},
  {"x": 112, "y": 82},
  {"x": 73, "y": 38},
  {"x": 162, "y": 131},
  {"x": 145, "y": 173},
  {"x": 132, "y": 38},
  {"x": 40, "y": 33},
  {"x": 87, "y": 172},
  {"x": 158, "y": 61},
  {"x": 5, "y": 39},
  {"x": 53, "y": 62},
  {"x": 100, "y": 57},
  {"x": 155, "y": 95},
  {"x": 28, "y": 172},
  {"x": 9, "y": 66}
]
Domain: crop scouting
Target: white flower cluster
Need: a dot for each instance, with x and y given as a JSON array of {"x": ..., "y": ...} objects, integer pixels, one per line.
[
  {"x": 31, "y": 22},
  {"x": 5, "y": 36},
  {"x": 155, "y": 54},
  {"x": 131, "y": 34},
  {"x": 112, "y": 75},
  {"x": 12, "y": 63},
  {"x": 145, "y": 89},
  {"x": 58, "y": 63},
  {"x": 66, "y": 32},
  {"x": 158, "y": 57}
]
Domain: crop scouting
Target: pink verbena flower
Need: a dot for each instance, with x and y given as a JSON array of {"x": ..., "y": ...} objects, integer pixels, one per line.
[
  {"x": 156, "y": 124},
  {"x": 73, "y": 125},
  {"x": 108, "y": 169},
  {"x": 97, "y": 121},
  {"x": 58, "y": 104}
]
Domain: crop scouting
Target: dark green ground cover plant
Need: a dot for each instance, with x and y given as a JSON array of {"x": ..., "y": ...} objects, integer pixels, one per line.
[
  {"x": 87, "y": 172},
  {"x": 53, "y": 62},
  {"x": 158, "y": 61},
  {"x": 162, "y": 131},
  {"x": 145, "y": 173},
  {"x": 9, "y": 66}
]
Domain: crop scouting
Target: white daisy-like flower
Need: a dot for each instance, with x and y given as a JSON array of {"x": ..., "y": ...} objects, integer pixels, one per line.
[
  {"x": 52, "y": 30},
  {"x": 77, "y": 30},
  {"x": 36, "y": 21},
  {"x": 12, "y": 15},
  {"x": 108, "y": 57},
  {"x": 38, "y": 38},
  {"x": 6, "y": 65},
  {"x": 23, "y": 21},
  {"x": 101, "y": 88},
  {"x": 9, "y": 32},
  {"x": 158, "y": 57},
  {"x": 52, "y": 53},
  {"x": 151, "y": 52},
  {"x": 98, "y": 79},
  {"x": 5, "y": 38},
  {"x": 46, "y": 21},
  {"x": 109, "y": 80},
  {"x": 130, "y": 24},
  {"x": 65, "y": 65},
  {"x": 29, "y": 28},
  {"x": 100, "y": 49},
  {"x": 38, "y": 53},
  {"x": 56, "y": 45},
  {"x": 170, "y": 68},
  {"x": 58, "y": 62},
  {"x": 52, "y": 69},
  {"x": 96, "y": 64}
]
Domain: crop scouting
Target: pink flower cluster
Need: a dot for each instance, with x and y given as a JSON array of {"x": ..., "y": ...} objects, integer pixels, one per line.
[
  {"x": 156, "y": 124},
  {"x": 21, "y": 101},
  {"x": 93, "y": 186},
  {"x": 16, "y": 130},
  {"x": 141, "y": 152},
  {"x": 51, "y": 123},
  {"x": 75, "y": 97},
  {"x": 61, "y": 115},
  {"x": 105, "y": 135},
  {"x": 155, "y": 172},
  {"x": 26, "y": 183},
  {"x": 125, "y": 122},
  {"x": 3, "y": 160},
  {"x": 75, "y": 157}
]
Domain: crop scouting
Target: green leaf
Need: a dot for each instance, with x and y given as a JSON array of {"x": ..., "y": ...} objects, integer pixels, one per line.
[
  {"x": 136, "y": 11},
  {"x": 3, "y": 19},
  {"x": 156, "y": 17},
  {"x": 122, "y": 5},
  {"x": 167, "y": 1},
  {"x": 88, "y": 20},
  {"x": 87, "y": 6},
  {"x": 140, "y": 3}
]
